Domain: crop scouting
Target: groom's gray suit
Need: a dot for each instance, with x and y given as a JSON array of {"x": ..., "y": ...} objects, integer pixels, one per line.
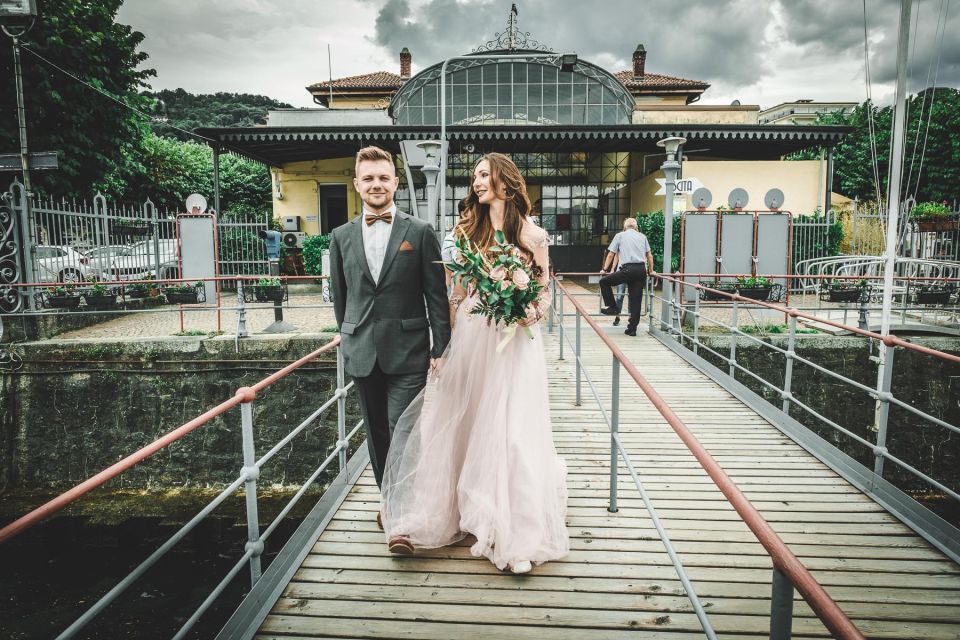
[{"x": 384, "y": 325}]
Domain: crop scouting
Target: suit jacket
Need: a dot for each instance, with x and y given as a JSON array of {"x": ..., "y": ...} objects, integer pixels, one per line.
[{"x": 387, "y": 321}]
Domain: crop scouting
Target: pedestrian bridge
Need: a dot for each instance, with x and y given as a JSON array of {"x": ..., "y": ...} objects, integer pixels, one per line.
[{"x": 711, "y": 577}]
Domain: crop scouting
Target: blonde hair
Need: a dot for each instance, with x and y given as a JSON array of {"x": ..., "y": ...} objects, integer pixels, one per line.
[{"x": 372, "y": 154}]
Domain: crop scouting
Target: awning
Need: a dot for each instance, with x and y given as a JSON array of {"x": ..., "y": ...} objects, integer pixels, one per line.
[{"x": 276, "y": 146}]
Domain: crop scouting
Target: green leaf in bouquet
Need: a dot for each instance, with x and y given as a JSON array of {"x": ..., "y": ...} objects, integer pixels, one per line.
[
  {"x": 499, "y": 237},
  {"x": 493, "y": 298}
]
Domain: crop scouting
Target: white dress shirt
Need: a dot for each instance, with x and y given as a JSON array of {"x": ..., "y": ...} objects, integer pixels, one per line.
[{"x": 375, "y": 239}]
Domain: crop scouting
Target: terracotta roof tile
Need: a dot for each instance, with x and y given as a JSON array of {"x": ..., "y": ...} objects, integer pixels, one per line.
[
  {"x": 375, "y": 80},
  {"x": 655, "y": 80}
]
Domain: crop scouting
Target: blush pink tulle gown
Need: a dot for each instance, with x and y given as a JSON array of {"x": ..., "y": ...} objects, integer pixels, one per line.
[{"x": 474, "y": 453}]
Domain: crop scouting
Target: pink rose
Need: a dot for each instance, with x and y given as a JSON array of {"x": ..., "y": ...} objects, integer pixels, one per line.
[
  {"x": 521, "y": 279},
  {"x": 498, "y": 273}
]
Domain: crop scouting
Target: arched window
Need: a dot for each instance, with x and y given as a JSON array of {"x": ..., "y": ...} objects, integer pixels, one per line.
[{"x": 487, "y": 91}]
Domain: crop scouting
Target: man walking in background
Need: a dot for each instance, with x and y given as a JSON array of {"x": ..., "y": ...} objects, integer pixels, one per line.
[{"x": 632, "y": 250}]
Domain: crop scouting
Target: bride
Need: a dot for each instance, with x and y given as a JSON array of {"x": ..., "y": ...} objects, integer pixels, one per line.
[{"x": 473, "y": 455}]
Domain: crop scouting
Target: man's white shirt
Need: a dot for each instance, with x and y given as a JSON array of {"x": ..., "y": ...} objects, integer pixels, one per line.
[{"x": 375, "y": 239}]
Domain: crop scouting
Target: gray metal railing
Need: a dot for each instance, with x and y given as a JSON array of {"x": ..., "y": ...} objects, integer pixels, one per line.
[
  {"x": 788, "y": 572},
  {"x": 247, "y": 478},
  {"x": 941, "y": 534}
]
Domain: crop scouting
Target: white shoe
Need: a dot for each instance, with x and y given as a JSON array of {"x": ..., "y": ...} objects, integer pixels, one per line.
[{"x": 521, "y": 567}]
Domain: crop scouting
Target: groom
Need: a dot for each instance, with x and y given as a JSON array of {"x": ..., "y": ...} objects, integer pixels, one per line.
[{"x": 384, "y": 265}]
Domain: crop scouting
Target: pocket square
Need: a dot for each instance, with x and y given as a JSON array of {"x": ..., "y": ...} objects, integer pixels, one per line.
[{"x": 406, "y": 246}]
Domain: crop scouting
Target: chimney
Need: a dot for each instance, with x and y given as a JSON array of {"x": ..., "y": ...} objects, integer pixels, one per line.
[
  {"x": 405, "y": 61},
  {"x": 639, "y": 61}
]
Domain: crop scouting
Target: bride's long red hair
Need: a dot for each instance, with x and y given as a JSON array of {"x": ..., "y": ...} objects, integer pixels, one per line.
[{"x": 506, "y": 181}]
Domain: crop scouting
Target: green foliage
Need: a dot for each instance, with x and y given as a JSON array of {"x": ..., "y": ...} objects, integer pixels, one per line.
[
  {"x": 939, "y": 178},
  {"x": 93, "y": 135},
  {"x": 268, "y": 282},
  {"x": 313, "y": 248},
  {"x": 191, "y": 111},
  {"x": 826, "y": 244},
  {"x": 930, "y": 210},
  {"x": 651, "y": 225},
  {"x": 753, "y": 282}
]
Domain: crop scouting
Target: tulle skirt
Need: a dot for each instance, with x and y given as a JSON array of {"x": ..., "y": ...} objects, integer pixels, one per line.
[{"x": 473, "y": 454}]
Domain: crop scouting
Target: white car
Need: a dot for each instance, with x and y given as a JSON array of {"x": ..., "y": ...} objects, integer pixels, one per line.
[
  {"x": 100, "y": 258},
  {"x": 140, "y": 260},
  {"x": 59, "y": 264}
]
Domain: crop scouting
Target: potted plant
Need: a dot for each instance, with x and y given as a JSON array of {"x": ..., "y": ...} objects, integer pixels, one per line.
[
  {"x": 269, "y": 290},
  {"x": 754, "y": 287},
  {"x": 184, "y": 293},
  {"x": 145, "y": 288},
  {"x": 99, "y": 296},
  {"x": 934, "y": 216},
  {"x": 725, "y": 287},
  {"x": 130, "y": 227},
  {"x": 844, "y": 290},
  {"x": 64, "y": 296}
]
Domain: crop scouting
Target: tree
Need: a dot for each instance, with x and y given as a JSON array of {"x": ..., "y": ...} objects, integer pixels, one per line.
[
  {"x": 932, "y": 161},
  {"x": 190, "y": 111},
  {"x": 93, "y": 134}
]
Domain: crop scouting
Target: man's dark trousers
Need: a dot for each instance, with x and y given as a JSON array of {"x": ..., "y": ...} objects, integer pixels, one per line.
[
  {"x": 635, "y": 277},
  {"x": 379, "y": 416}
]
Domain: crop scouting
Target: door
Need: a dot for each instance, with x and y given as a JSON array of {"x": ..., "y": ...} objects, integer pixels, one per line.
[{"x": 333, "y": 206}]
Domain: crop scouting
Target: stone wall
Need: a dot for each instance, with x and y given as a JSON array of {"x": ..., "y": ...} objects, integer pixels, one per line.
[
  {"x": 929, "y": 384},
  {"x": 77, "y": 406}
]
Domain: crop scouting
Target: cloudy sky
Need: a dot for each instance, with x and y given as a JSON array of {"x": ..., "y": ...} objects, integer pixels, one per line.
[{"x": 762, "y": 53}]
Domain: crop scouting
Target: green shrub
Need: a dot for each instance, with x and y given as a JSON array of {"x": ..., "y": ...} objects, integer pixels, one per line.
[
  {"x": 313, "y": 248},
  {"x": 930, "y": 210},
  {"x": 651, "y": 225}
]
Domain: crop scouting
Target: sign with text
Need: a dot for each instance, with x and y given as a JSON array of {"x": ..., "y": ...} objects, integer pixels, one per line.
[{"x": 683, "y": 186}]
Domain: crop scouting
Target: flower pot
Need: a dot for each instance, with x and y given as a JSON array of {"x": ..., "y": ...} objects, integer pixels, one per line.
[
  {"x": 755, "y": 293},
  {"x": 726, "y": 287},
  {"x": 63, "y": 302},
  {"x": 273, "y": 293},
  {"x": 938, "y": 295},
  {"x": 843, "y": 294},
  {"x": 937, "y": 224},
  {"x": 181, "y": 297},
  {"x": 100, "y": 301},
  {"x": 126, "y": 229}
]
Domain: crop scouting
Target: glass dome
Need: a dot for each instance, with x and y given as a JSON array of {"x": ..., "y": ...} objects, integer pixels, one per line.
[{"x": 484, "y": 90}]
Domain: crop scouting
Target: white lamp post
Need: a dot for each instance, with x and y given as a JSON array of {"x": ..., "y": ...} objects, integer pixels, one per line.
[
  {"x": 430, "y": 169},
  {"x": 671, "y": 167}
]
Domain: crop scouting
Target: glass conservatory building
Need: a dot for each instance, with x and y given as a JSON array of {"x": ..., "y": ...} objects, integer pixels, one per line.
[{"x": 583, "y": 137}]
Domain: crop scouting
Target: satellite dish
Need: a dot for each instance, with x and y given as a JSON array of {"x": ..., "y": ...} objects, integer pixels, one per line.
[
  {"x": 196, "y": 201},
  {"x": 773, "y": 199},
  {"x": 738, "y": 198},
  {"x": 735, "y": 103},
  {"x": 701, "y": 198}
]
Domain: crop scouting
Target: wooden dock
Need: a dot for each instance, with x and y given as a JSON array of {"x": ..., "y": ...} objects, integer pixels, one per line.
[{"x": 617, "y": 581}]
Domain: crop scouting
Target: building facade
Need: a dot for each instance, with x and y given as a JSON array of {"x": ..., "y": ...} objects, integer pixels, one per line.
[{"x": 583, "y": 137}]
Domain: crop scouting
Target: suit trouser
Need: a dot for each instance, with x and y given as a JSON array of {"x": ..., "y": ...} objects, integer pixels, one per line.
[
  {"x": 383, "y": 398},
  {"x": 634, "y": 275}
]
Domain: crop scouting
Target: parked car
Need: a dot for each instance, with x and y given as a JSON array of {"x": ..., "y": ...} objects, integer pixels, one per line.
[
  {"x": 140, "y": 260},
  {"x": 59, "y": 264},
  {"x": 99, "y": 259}
]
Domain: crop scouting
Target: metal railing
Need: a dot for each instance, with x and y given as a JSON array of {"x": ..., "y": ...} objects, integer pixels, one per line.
[
  {"x": 940, "y": 533},
  {"x": 247, "y": 478},
  {"x": 788, "y": 573}
]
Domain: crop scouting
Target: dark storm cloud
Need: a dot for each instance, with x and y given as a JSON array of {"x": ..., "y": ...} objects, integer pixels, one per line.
[
  {"x": 699, "y": 40},
  {"x": 721, "y": 43}
]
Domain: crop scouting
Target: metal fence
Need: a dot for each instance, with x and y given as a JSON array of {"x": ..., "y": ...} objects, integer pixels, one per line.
[{"x": 70, "y": 241}]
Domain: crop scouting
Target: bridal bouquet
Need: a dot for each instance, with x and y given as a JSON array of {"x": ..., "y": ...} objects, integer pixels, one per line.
[{"x": 506, "y": 287}]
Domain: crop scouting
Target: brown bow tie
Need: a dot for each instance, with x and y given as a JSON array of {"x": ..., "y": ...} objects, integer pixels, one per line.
[{"x": 370, "y": 218}]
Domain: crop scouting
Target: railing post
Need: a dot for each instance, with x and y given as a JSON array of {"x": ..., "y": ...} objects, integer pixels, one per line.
[
  {"x": 241, "y": 311},
  {"x": 781, "y": 607},
  {"x": 677, "y": 308},
  {"x": 696, "y": 324},
  {"x": 577, "y": 343},
  {"x": 562, "y": 296},
  {"x": 650, "y": 302},
  {"x": 341, "y": 411},
  {"x": 251, "y": 472},
  {"x": 883, "y": 397},
  {"x": 787, "y": 394},
  {"x": 735, "y": 313},
  {"x": 614, "y": 429},
  {"x": 553, "y": 304}
]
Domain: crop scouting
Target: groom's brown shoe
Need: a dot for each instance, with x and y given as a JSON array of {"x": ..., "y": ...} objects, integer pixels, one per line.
[{"x": 401, "y": 546}]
